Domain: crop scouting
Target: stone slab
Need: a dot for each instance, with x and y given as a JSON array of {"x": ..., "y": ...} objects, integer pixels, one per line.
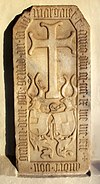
[{"x": 52, "y": 91}]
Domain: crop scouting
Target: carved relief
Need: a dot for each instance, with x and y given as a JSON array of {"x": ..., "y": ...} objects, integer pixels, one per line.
[
  {"x": 57, "y": 116},
  {"x": 52, "y": 88},
  {"x": 52, "y": 108}
]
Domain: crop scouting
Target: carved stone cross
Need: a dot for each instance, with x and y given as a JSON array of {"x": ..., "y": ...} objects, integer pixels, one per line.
[{"x": 52, "y": 43}]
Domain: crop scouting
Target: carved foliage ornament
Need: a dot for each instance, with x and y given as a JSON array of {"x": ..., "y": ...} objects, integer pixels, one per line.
[{"x": 52, "y": 91}]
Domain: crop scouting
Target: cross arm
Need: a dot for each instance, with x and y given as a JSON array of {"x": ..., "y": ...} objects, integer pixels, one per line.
[{"x": 67, "y": 42}]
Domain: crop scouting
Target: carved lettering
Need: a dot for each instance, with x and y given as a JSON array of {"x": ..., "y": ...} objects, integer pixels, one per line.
[
  {"x": 83, "y": 129},
  {"x": 83, "y": 102},
  {"x": 20, "y": 35},
  {"x": 25, "y": 21},
  {"x": 83, "y": 88},
  {"x": 56, "y": 167},
  {"x": 20, "y": 48},
  {"x": 21, "y": 98},
  {"x": 83, "y": 62},
  {"x": 83, "y": 114},
  {"x": 83, "y": 76},
  {"x": 82, "y": 41},
  {"x": 52, "y": 12},
  {"x": 83, "y": 144}
]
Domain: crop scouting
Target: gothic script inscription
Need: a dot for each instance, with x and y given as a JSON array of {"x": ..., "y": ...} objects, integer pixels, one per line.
[{"x": 52, "y": 91}]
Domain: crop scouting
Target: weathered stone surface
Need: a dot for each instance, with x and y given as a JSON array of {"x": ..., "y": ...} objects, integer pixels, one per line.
[{"x": 52, "y": 91}]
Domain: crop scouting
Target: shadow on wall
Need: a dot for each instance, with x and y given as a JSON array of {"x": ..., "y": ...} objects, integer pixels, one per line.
[{"x": 9, "y": 92}]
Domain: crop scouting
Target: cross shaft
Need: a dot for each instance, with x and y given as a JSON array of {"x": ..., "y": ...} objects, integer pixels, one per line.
[{"x": 52, "y": 44}]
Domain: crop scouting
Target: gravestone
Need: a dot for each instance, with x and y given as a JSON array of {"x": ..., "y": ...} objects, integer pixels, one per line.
[{"x": 52, "y": 91}]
